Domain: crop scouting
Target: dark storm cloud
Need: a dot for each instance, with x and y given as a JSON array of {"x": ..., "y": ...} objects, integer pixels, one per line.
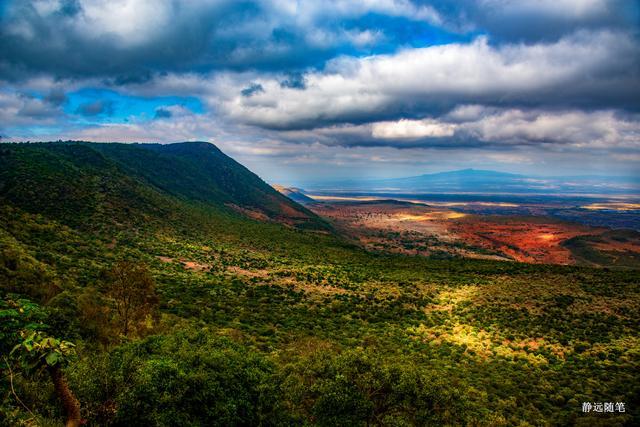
[
  {"x": 138, "y": 78},
  {"x": 541, "y": 20},
  {"x": 77, "y": 41},
  {"x": 127, "y": 41}
]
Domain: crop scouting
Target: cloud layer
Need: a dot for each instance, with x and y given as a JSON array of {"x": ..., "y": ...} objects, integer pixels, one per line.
[
  {"x": 586, "y": 69},
  {"x": 339, "y": 82}
]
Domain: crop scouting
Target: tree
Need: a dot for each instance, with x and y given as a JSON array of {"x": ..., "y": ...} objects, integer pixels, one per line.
[
  {"x": 133, "y": 290},
  {"x": 96, "y": 316},
  {"x": 21, "y": 321},
  {"x": 37, "y": 352}
]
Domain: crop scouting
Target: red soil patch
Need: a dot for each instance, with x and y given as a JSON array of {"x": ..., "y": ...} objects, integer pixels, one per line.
[
  {"x": 534, "y": 241},
  {"x": 525, "y": 239}
]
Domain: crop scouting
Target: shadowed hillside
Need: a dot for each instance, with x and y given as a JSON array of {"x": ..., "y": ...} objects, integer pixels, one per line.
[{"x": 86, "y": 183}]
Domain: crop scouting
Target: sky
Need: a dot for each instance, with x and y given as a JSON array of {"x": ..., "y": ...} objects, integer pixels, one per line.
[{"x": 312, "y": 90}]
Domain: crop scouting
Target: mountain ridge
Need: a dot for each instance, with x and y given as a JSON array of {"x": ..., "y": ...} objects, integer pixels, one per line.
[
  {"x": 294, "y": 193},
  {"x": 489, "y": 181},
  {"x": 140, "y": 180},
  {"x": 465, "y": 172}
]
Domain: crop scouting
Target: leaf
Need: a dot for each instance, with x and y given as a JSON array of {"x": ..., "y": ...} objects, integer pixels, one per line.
[
  {"x": 15, "y": 348},
  {"x": 52, "y": 358},
  {"x": 8, "y": 313}
]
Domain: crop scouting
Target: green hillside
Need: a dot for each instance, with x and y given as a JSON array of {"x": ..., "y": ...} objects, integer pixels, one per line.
[
  {"x": 78, "y": 183},
  {"x": 238, "y": 321}
]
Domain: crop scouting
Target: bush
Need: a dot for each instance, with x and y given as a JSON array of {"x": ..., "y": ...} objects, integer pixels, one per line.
[
  {"x": 184, "y": 379},
  {"x": 359, "y": 387}
]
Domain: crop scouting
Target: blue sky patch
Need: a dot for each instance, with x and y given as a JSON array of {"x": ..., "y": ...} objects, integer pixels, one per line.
[
  {"x": 107, "y": 106},
  {"x": 404, "y": 32}
]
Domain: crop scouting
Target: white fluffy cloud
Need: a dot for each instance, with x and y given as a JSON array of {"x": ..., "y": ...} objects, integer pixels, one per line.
[
  {"x": 573, "y": 70},
  {"x": 476, "y": 126},
  {"x": 602, "y": 129},
  {"x": 411, "y": 129},
  {"x": 17, "y": 109}
]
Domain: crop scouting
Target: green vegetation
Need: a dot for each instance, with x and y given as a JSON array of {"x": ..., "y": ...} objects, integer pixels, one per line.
[
  {"x": 597, "y": 251},
  {"x": 232, "y": 321}
]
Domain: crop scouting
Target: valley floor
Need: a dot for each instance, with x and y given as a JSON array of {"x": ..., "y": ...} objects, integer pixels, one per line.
[{"x": 418, "y": 228}]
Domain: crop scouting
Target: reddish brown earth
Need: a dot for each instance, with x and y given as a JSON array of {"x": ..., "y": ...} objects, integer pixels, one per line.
[
  {"x": 393, "y": 226},
  {"x": 534, "y": 240}
]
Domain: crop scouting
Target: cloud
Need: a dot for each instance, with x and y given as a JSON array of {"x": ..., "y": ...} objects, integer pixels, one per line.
[
  {"x": 603, "y": 129},
  {"x": 20, "y": 109},
  {"x": 477, "y": 126},
  {"x": 540, "y": 20},
  {"x": 56, "y": 97},
  {"x": 252, "y": 89},
  {"x": 162, "y": 113},
  {"x": 294, "y": 81},
  {"x": 584, "y": 70},
  {"x": 96, "y": 108},
  {"x": 129, "y": 40},
  {"x": 338, "y": 82},
  {"x": 176, "y": 112},
  {"x": 563, "y": 140},
  {"x": 411, "y": 129},
  {"x": 170, "y": 129}
]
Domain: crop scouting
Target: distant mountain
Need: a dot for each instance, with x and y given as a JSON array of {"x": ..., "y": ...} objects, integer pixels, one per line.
[
  {"x": 295, "y": 194},
  {"x": 487, "y": 181},
  {"x": 458, "y": 179},
  {"x": 80, "y": 182}
]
